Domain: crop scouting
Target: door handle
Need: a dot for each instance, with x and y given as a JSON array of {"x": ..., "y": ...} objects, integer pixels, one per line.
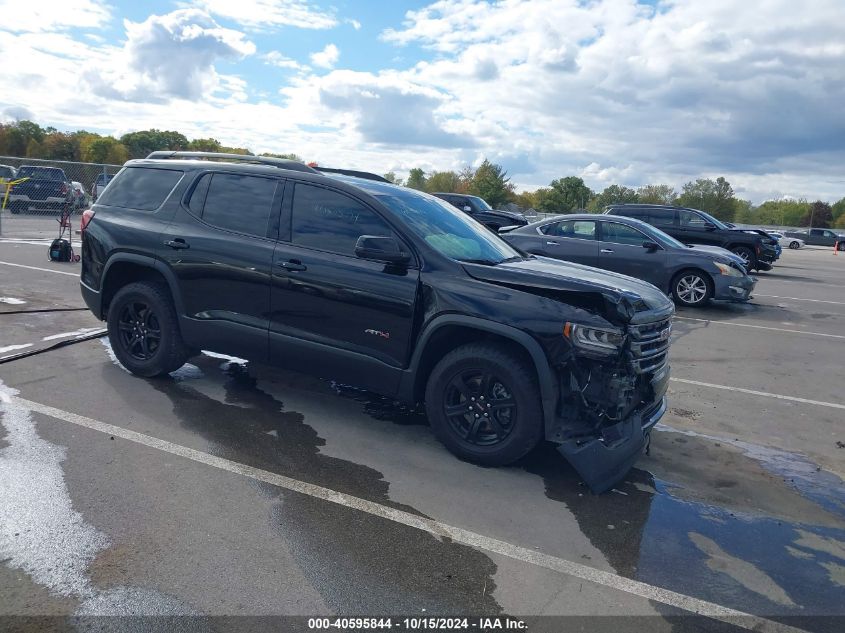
[
  {"x": 292, "y": 265},
  {"x": 606, "y": 250},
  {"x": 552, "y": 243},
  {"x": 177, "y": 244}
]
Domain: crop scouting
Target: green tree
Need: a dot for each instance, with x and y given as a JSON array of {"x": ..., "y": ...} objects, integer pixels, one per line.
[
  {"x": 714, "y": 197},
  {"x": 744, "y": 212},
  {"x": 526, "y": 199},
  {"x": 656, "y": 194},
  {"x": 838, "y": 209},
  {"x": 820, "y": 215},
  {"x": 614, "y": 194},
  {"x": 781, "y": 212},
  {"x": 289, "y": 156},
  {"x": 204, "y": 145},
  {"x": 104, "y": 149},
  {"x": 563, "y": 195},
  {"x": 416, "y": 179},
  {"x": 58, "y": 146},
  {"x": 445, "y": 181},
  {"x": 840, "y": 222},
  {"x": 491, "y": 182},
  {"x": 141, "y": 143},
  {"x": 391, "y": 177}
]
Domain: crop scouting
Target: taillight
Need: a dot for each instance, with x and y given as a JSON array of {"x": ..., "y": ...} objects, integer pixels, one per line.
[{"x": 87, "y": 216}]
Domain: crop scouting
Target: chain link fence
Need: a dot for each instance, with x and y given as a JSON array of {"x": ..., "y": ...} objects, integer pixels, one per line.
[{"x": 35, "y": 192}]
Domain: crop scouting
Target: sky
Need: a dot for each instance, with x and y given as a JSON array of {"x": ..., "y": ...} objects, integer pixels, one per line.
[{"x": 615, "y": 91}]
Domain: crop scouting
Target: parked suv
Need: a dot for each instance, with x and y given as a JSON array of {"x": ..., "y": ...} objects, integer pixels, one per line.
[
  {"x": 692, "y": 226},
  {"x": 383, "y": 287},
  {"x": 478, "y": 208}
]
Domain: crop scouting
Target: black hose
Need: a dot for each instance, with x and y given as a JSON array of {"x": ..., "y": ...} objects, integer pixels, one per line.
[
  {"x": 65, "y": 343},
  {"x": 42, "y": 310}
]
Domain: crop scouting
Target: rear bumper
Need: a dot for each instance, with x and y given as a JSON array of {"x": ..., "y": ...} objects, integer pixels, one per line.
[
  {"x": 93, "y": 299},
  {"x": 727, "y": 288}
]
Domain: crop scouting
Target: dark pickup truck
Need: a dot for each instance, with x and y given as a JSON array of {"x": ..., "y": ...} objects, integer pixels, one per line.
[
  {"x": 493, "y": 219},
  {"x": 691, "y": 226},
  {"x": 382, "y": 287},
  {"x": 44, "y": 188}
]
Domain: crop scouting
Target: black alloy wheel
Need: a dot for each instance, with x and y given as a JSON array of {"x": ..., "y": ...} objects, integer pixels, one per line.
[
  {"x": 479, "y": 407},
  {"x": 140, "y": 331}
]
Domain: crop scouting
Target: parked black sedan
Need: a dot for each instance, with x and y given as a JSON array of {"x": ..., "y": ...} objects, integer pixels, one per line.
[{"x": 692, "y": 275}]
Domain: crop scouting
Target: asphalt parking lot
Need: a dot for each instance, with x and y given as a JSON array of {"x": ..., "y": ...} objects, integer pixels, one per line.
[{"x": 231, "y": 489}]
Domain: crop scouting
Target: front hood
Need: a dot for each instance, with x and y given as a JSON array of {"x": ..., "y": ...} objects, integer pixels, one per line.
[
  {"x": 723, "y": 253},
  {"x": 508, "y": 214},
  {"x": 543, "y": 273}
]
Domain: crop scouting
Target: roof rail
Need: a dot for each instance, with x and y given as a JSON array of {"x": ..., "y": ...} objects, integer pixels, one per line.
[
  {"x": 281, "y": 163},
  {"x": 351, "y": 172}
]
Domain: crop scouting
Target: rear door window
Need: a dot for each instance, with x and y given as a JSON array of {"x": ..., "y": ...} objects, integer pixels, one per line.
[
  {"x": 238, "y": 203},
  {"x": 575, "y": 229},
  {"x": 331, "y": 221},
  {"x": 140, "y": 188}
]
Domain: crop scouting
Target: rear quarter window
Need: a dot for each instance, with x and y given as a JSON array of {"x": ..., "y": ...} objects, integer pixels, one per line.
[{"x": 141, "y": 188}]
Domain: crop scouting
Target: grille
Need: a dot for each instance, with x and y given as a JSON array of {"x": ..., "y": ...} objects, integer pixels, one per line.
[{"x": 649, "y": 344}]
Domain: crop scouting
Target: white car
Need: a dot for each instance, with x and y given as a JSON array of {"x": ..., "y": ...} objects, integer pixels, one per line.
[{"x": 787, "y": 242}]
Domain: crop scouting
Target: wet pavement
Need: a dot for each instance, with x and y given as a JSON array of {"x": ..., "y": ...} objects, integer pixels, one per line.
[{"x": 740, "y": 502}]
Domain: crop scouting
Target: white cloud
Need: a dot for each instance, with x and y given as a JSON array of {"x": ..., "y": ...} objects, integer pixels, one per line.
[
  {"x": 265, "y": 14},
  {"x": 49, "y": 15},
  {"x": 170, "y": 56},
  {"x": 354, "y": 23},
  {"x": 275, "y": 58},
  {"x": 327, "y": 57}
]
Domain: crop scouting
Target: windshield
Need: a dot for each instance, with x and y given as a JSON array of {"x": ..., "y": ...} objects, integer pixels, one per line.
[
  {"x": 448, "y": 231},
  {"x": 719, "y": 224},
  {"x": 480, "y": 203},
  {"x": 43, "y": 173},
  {"x": 664, "y": 239}
]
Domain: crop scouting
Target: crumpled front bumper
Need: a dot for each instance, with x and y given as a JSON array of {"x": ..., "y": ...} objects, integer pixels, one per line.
[{"x": 727, "y": 288}]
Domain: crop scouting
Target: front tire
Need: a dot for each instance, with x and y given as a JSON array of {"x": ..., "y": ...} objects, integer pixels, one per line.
[
  {"x": 747, "y": 256},
  {"x": 144, "y": 330},
  {"x": 483, "y": 404},
  {"x": 692, "y": 288}
]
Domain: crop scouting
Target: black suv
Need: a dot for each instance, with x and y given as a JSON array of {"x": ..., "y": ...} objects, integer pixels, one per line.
[
  {"x": 692, "y": 226},
  {"x": 493, "y": 219},
  {"x": 383, "y": 287}
]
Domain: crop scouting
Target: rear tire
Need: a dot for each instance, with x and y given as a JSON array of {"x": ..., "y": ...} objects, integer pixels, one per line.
[
  {"x": 144, "y": 329},
  {"x": 483, "y": 404},
  {"x": 794, "y": 245},
  {"x": 692, "y": 288}
]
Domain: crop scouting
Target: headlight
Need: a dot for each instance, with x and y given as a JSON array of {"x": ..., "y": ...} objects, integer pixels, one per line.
[
  {"x": 594, "y": 339},
  {"x": 727, "y": 269}
]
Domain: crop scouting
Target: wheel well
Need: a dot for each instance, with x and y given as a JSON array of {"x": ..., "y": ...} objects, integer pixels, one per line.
[
  {"x": 449, "y": 337},
  {"x": 123, "y": 273},
  {"x": 704, "y": 274}
]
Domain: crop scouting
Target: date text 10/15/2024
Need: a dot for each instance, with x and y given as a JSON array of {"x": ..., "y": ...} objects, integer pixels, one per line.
[{"x": 417, "y": 624}]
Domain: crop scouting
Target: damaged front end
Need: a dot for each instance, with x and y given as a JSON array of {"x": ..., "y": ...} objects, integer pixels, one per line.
[{"x": 612, "y": 387}]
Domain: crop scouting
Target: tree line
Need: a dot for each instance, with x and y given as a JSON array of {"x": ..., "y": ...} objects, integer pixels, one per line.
[{"x": 490, "y": 181}]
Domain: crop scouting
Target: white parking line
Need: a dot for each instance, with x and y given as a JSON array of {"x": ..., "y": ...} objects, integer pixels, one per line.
[
  {"x": 766, "y": 394},
  {"x": 436, "y": 528},
  {"x": 836, "y": 303},
  {"x": 46, "y": 270},
  {"x": 760, "y": 327}
]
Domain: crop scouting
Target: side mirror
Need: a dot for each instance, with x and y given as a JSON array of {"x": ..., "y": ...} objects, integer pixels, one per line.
[
  {"x": 466, "y": 209},
  {"x": 651, "y": 246},
  {"x": 381, "y": 249}
]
